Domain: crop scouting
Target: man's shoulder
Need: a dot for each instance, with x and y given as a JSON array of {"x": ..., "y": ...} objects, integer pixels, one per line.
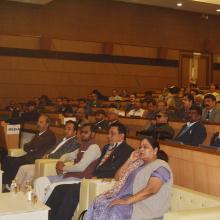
[{"x": 125, "y": 146}]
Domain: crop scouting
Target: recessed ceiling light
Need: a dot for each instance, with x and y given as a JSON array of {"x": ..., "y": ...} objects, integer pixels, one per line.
[
  {"x": 218, "y": 10},
  {"x": 179, "y": 4}
]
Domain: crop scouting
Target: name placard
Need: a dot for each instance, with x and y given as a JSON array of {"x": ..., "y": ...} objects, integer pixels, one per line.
[
  {"x": 13, "y": 129},
  {"x": 65, "y": 119}
]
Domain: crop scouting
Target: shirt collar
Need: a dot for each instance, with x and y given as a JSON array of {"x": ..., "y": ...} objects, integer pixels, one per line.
[{"x": 40, "y": 133}]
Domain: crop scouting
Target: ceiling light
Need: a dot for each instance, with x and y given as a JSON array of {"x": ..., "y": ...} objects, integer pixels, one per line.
[
  {"x": 218, "y": 10},
  {"x": 179, "y": 4}
]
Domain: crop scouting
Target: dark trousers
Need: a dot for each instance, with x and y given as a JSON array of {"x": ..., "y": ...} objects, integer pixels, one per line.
[
  {"x": 10, "y": 166},
  {"x": 63, "y": 201}
]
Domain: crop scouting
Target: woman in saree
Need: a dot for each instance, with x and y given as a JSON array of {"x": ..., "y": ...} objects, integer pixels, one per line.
[{"x": 142, "y": 190}]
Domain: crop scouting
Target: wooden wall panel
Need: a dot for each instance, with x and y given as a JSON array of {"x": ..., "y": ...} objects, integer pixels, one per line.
[
  {"x": 216, "y": 76},
  {"x": 109, "y": 21}
]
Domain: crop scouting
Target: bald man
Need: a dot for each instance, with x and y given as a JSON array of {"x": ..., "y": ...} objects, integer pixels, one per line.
[{"x": 42, "y": 142}]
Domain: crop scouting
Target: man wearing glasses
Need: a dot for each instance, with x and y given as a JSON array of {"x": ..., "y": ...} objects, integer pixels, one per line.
[{"x": 160, "y": 129}]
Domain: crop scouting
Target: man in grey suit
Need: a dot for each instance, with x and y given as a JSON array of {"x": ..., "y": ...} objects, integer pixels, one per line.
[
  {"x": 68, "y": 144},
  {"x": 210, "y": 113}
]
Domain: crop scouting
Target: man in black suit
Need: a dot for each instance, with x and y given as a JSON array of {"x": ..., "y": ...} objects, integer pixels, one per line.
[
  {"x": 64, "y": 199},
  {"x": 101, "y": 123},
  {"x": 35, "y": 149},
  {"x": 193, "y": 132}
]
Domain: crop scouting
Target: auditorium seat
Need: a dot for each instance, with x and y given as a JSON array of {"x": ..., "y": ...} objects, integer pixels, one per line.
[{"x": 186, "y": 204}]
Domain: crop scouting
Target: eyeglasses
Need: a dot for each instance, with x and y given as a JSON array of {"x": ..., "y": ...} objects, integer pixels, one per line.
[
  {"x": 85, "y": 132},
  {"x": 159, "y": 116}
]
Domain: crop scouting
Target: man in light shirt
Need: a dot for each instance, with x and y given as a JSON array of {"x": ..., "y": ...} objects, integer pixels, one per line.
[
  {"x": 137, "y": 111},
  {"x": 81, "y": 164},
  {"x": 68, "y": 144}
]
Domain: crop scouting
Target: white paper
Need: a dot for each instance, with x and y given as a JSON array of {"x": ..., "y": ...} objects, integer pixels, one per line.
[{"x": 13, "y": 129}]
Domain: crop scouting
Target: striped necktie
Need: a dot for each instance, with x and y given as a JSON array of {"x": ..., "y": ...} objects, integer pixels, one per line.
[{"x": 107, "y": 154}]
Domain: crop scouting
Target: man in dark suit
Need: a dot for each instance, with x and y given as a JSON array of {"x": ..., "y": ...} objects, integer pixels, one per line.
[
  {"x": 35, "y": 149},
  {"x": 64, "y": 199},
  {"x": 101, "y": 123},
  {"x": 193, "y": 132}
]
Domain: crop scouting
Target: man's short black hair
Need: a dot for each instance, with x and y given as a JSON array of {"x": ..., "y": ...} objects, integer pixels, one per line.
[
  {"x": 210, "y": 96},
  {"x": 189, "y": 97},
  {"x": 82, "y": 100},
  {"x": 197, "y": 108},
  {"x": 75, "y": 125},
  {"x": 100, "y": 112},
  {"x": 92, "y": 127},
  {"x": 122, "y": 129}
]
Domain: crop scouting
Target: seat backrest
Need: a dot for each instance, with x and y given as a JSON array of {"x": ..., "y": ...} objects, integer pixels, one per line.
[
  {"x": 186, "y": 199},
  {"x": 25, "y": 138}
]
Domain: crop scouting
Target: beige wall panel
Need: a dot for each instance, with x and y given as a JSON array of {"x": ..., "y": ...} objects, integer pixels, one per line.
[
  {"x": 77, "y": 46},
  {"x": 108, "y": 21},
  {"x": 216, "y": 76},
  {"x": 126, "y": 50},
  {"x": 27, "y": 42},
  {"x": 23, "y": 63}
]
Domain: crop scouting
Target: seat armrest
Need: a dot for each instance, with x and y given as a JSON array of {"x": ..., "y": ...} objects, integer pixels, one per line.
[
  {"x": 89, "y": 189},
  {"x": 16, "y": 152},
  {"x": 212, "y": 213},
  {"x": 45, "y": 167}
]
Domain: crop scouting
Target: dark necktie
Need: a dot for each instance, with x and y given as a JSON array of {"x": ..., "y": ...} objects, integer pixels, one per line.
[{"x": 208, "y": 115}]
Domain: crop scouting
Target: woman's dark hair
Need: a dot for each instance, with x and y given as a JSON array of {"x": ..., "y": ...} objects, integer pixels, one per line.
[
  {"x": 155, "y": 144},
  {"x": 162, "y": 155}
]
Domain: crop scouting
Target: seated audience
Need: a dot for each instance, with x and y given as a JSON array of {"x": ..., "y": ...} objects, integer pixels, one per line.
[
  {"x": 31, "y": 113},
  {"x": 115, "y": 96},
  {"x": 64, "y": 198},
  {"x": 124, "y": 93},
  {"x": 161, "y": 105},
  {"x": 63, "y": 107},
  {"x": 142, "y": 190},
  {"x": 213, "y": 90},
  {"x": 193, "y": 132},
  {"x": 99, "y": 95},
  {"x": 198, "y": 100},
  {"x": 14, "y": 109},
  {"x": 36, "y": 149},
  {"x": 130, "y": 105},
  {"x": 137, "y": 110},
  {"x": 173, "y": 100},
  {"x": 161, "y": 129},
  {"x": 101, "y": 123},
  {"x": 182, "y": 92},
  {"x": 210, "y": 113},
  {"x": 148, "y": 96},
  {"x": 81, "y": 117},
  {"x": 112, "y": 116},
  {"x": 183, "y": 113},
  {"x": 68, "y": 144},
  {"x": 83, "y": 104},
  {"x": 82, "y": 163},
  {"x": 215, "y": 140},
  {"x": 94, "y": 101},
  {"x": 151, "y": 110}
]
